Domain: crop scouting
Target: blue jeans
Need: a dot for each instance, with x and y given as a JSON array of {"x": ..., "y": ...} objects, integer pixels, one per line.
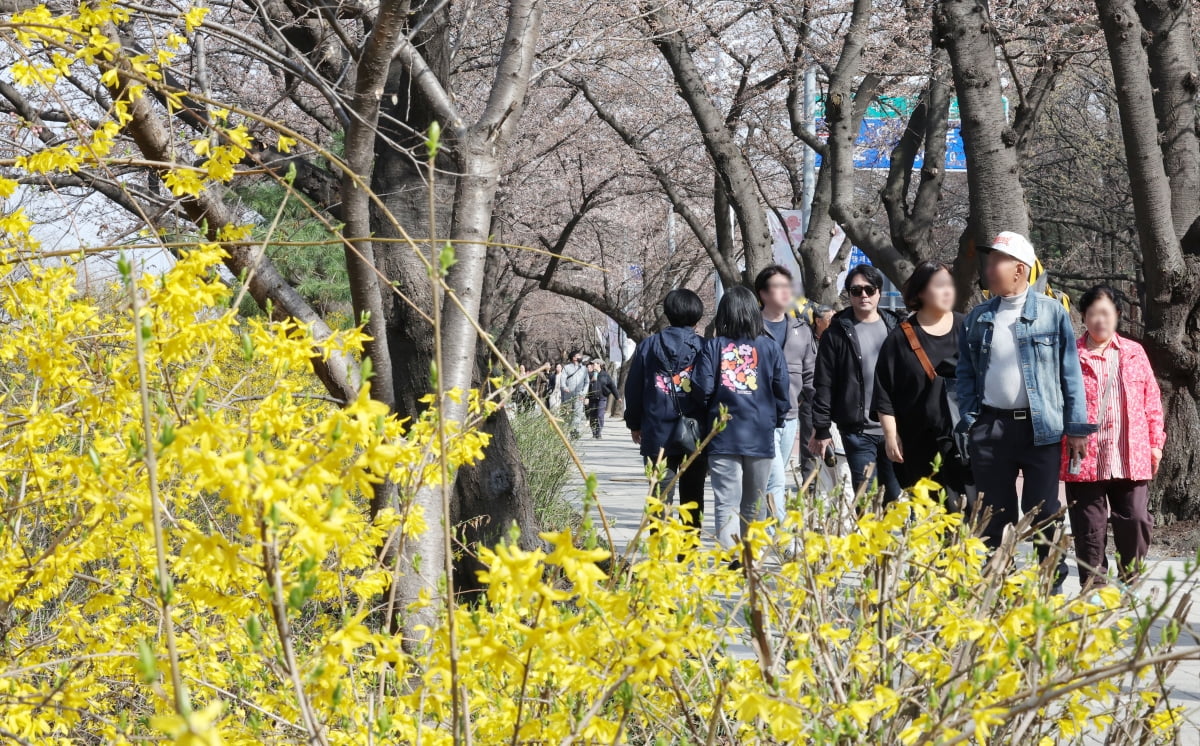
[
  {"x": 777, "y": 485},
  {"x": 863, "y": 450}
]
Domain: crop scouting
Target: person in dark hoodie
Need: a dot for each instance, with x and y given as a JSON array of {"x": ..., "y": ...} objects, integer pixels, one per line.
[
  {"x": 657, "y": 392},
  {"x": 600, "y": 387},
  {"x": 845, "y": 381},
  {"x": 742, "y": 369}
]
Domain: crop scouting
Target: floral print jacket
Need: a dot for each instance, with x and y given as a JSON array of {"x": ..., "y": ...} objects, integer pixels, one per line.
[{"x": 1142, "y": 410}]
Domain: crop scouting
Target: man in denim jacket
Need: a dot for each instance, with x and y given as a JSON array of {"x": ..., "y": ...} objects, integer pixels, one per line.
[{"x": 1020, "y": 391}]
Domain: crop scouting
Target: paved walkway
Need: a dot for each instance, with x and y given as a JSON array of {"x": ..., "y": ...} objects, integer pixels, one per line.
[{"x": 622, "y": 486}]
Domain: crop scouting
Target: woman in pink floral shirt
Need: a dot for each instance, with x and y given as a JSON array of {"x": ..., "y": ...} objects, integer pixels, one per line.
[{"x": 1112, "y": 483}]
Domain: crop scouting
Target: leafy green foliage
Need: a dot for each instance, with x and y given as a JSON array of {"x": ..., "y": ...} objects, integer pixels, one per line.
[{"x": 316, "y": 270}]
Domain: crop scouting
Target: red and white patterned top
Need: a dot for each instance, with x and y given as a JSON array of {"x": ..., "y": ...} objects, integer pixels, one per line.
[
  {"x": 1123, "y": 398},
  {"x": 1110, "y": 456}
]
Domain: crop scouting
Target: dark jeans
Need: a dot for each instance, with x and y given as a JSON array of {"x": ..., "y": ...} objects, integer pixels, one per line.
[
  {"x": 596, "y": 409},
  {"x": 863, "y": 450},
  {"x": 1092, "y": 506},
  {"x": 1001, "y": 447},
  {"x": 690, "y": 487}
]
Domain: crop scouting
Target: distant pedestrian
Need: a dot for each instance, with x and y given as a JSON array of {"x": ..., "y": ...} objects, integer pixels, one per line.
[
  {"x": 1020, "y": 390},
  {"x": 1112, "y": 483},
  {"x": 600, "y": 387},
  {"x": 657, "y": 395},
  {"x": 553, "y": 392},
  {"x": 775, "y": 288},
  {"x": 845, "y": 382},
  {"x": 822, "y": 318},
  {"x": 742, "y": 370},
  {"x": 915, "y": 397},
  {"x": 521, "y": 397},
  {"x": 573, "y": 385}
]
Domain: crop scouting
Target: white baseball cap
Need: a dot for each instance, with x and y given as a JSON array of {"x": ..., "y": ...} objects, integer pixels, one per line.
[{"x": 1016, "y": 246}]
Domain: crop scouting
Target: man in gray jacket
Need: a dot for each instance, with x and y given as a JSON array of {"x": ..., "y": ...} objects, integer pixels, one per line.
[
  {"x": 573, "y": 385},
  {"x": 776, "y": 291}
]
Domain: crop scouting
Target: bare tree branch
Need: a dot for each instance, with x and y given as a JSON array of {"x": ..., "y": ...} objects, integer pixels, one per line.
[{"x": 263, "y": 280}]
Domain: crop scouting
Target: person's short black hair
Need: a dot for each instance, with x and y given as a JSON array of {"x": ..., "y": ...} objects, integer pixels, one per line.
[
  {"x": 738, "y": 315},
  {"x": 683, "y": 307},
  {"x": 1095, "y": 294},
  {"x": 868, "y": 273},
  {"x": 822, "y": 310},
  {"x": 764, "y": 277},
  {"x": 919, "y": 280}
]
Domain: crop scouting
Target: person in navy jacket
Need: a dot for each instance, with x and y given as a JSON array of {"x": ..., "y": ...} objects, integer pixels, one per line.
[
  {"x": 743, "y": 370},
  {"x": 657, "y": 391}
]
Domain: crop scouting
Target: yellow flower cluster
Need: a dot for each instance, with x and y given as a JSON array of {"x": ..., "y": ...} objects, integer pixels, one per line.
[
  {"x": 263, "y": 486},
  {"x": 51, "y": 44},
  {"x": 886, "y": 633}
]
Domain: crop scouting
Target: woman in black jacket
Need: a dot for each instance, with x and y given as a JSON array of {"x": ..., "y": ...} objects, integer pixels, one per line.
[{"x": 914, "y": 392}]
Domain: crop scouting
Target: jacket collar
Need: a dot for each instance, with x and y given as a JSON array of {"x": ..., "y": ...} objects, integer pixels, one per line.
[
  {"x": 1082, "y": 346},
  {"x": 792, "y": 323},
  {"x": 1029, "y": 312},
  {"x": 845, "y": 318}
]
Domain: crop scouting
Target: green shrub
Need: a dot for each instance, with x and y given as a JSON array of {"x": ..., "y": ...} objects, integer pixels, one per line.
[{"x": 548, "y": 468}]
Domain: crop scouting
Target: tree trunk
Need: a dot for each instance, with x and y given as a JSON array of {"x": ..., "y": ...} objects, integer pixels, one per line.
[
  {"x": 1172, "y": 339},
  {"x": 1173, "y": 76},
  {"x": 997, "y": 198},
  {"x": 844, "y": 110},
  {"x": 912, "y": 224},
  {"x": 490, "y": 500},
  {"x": 495, "y": 492},
  {"x": 366, "y": 290},
  {"x": 820, "y": 272}
]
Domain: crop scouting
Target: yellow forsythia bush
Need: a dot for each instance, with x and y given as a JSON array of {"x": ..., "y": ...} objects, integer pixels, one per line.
[
  {"x": 889, "y": 632},
  {"x": 186, "y": 557}
]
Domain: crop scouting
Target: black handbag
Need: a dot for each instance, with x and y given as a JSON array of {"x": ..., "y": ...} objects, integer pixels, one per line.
[{"x": 686, "y": 433}]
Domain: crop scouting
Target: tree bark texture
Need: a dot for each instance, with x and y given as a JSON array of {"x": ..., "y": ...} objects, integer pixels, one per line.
[
  {"x": 365, "y": 288},
  {"x": 479, "y": 150},
  {"x": 844, "y": 110},
  {"x": 912, "y": 222},
  {"x": 490, "y": 499},
  {"x": 1172, "y": 298},
  {"x": 997, "y": 198},
  {"x": 1174, "y": 78}
]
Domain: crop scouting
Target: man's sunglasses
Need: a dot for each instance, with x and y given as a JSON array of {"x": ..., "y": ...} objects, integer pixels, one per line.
[{"x": 859, "y": 291}]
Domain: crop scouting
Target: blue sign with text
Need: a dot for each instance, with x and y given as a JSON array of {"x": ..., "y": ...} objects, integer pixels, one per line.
[{"x": 877, "y": 137}]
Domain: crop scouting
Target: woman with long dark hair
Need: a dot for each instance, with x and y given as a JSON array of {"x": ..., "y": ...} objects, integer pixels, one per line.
[
  {"x": 914, "y": 393},
  {"x": 742, "y": 369}
]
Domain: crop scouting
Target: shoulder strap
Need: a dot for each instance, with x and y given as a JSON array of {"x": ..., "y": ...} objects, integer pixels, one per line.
[{"x": 919, "y": 351}]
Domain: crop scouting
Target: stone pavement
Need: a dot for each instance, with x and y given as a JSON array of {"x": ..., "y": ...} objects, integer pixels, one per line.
[{"x": 622, "y": 486}]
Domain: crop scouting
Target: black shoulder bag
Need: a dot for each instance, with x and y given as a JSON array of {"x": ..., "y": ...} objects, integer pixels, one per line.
[{"x": 685, "y": 434}]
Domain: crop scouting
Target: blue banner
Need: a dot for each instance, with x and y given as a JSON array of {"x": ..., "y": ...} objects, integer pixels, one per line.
[{"x": 878, "y": 136}]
